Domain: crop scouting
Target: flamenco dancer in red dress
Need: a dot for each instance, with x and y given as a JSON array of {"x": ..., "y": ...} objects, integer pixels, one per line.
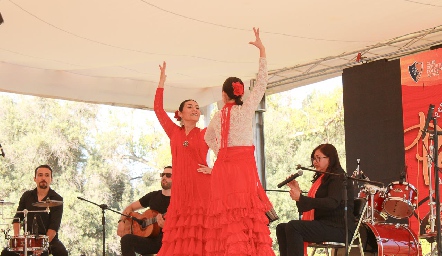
[
  {"x": 184, "y": 225},
  {"x": 236, "y": 222}
]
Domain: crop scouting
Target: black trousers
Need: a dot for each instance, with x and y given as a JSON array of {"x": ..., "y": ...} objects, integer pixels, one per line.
[
  {"x": 292, "y": 235},
  {"x": 56, "y": 248},
  {"x": 131, "y": 244}
]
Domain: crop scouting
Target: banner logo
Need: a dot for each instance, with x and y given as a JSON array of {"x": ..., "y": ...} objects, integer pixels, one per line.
[{"x": 416, "y": 70}]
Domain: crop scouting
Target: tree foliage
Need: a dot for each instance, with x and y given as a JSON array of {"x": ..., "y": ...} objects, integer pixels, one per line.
[{"x": 96, "y": 152}]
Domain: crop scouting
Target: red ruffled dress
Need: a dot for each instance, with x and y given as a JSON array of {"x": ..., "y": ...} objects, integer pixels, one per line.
[
  {"x": 184, "y": 225},
  {"x": 236, "y": 223}
]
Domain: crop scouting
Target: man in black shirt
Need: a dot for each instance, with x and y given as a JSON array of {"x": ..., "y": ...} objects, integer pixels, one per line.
[
  {"x": 42, "y": 223},
  {"x": 157, "y": 201}
]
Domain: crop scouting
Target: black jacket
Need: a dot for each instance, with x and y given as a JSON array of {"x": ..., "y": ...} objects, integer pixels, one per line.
[{"x": 329, "y": 202}]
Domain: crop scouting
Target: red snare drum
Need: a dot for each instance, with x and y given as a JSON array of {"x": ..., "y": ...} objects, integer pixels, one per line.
[
  {"x": 390, "y": 239},
  {"x": 378, "y": 199},
  {"x": 39, "y": 243},
  {"x": 400, "y": 200}
]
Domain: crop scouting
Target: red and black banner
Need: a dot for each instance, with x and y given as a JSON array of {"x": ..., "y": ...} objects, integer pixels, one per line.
[{"x": 421, "y": 81}]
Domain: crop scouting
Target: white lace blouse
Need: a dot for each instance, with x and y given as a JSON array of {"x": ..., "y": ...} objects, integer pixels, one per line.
[{"x": 241, "y": 117}]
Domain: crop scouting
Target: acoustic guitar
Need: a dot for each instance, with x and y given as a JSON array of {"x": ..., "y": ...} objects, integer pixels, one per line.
[{"x": 144, "y": 225}]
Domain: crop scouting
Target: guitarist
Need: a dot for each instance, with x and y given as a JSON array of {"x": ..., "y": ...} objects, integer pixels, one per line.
[{"x": 157, "y": 201}]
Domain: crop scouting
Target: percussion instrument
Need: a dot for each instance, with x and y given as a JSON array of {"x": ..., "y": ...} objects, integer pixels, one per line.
[
  {"x": 390, "y": 239},
  {"x": 400, "y": 201},
  {"x": 34, "y": 243},
  {"x": 375, "y": 197},
  {"x": 48, "y": 203}
]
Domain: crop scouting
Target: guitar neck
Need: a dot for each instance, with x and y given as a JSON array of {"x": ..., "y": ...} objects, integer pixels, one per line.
[{"x": 151, "y": 221}]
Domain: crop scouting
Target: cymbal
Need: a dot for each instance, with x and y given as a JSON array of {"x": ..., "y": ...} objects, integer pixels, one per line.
[
  {"x": 5, "y": 203},
  {"x": 48, "y": 203}
]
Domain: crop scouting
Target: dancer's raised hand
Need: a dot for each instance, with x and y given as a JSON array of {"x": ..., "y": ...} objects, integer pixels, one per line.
[
  {"x": 162, "y": 75},
  {"x": 258, "y": 43}
]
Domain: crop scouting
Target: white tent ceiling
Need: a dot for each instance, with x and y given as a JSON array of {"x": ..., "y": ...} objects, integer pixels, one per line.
[{"x": 108, "y": 51}]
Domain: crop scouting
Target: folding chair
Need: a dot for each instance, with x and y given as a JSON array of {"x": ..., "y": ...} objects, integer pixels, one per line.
[{"x": 360, "y": 206}]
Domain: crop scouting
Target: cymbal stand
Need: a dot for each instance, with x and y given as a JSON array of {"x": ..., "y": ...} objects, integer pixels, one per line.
[
  {"x": 431, "y": 202},
  {"x": 437, "y": 192},
  {"x": 369, "y": 214},
  {"x": 371, "y": 193},
  {"x": 432, "y": 215},
  {"x": 25, "y": 224}
]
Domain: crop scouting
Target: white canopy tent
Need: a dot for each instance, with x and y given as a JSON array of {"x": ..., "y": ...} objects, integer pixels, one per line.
[{"x": 108, "y": 52}]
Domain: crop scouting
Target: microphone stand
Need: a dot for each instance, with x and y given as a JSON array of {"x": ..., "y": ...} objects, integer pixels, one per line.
[
  {"x": 345, "y": 196},
  {"x": 103, "y": 220}
]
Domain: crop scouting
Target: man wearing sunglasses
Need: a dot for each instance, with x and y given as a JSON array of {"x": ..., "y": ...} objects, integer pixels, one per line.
[{"x": 157, "y": 201}]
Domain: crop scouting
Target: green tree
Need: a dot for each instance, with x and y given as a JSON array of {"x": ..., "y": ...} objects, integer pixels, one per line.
[{"x": 93, "y": 153}]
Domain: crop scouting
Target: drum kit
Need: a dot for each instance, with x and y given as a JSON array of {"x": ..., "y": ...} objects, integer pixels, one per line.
[
  {"x": 398, "y": 200},
  {"x": 29, "y": 243}
]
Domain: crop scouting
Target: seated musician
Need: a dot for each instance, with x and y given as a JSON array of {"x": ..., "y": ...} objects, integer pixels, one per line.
[
  {"x": 326, "y": 199},
  {"x": 157, "y": 201},
  {"x": 43, "y": 225}
]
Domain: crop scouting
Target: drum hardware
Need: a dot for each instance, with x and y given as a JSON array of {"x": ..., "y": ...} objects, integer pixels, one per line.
[
  {"x": 26, "y": 234},
  {"x": 428, "y": 225},
  {"x": 432, "y": 217},
  {"x": 433, "y": 138},
  {"x": 3, "y": 202}
]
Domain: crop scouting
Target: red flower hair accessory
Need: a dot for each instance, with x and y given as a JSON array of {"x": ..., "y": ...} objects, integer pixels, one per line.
[
  {"x": 177, "y": 117},
  {"x": 238, "y": 89}
]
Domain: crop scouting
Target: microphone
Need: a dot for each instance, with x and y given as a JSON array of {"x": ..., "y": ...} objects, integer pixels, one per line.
[
  {"x": 359, "y": 171},
  {"x": 427, "y": 120},
  {"x": 294, "y": 176},
  {"x": 3, "y": 152}
]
